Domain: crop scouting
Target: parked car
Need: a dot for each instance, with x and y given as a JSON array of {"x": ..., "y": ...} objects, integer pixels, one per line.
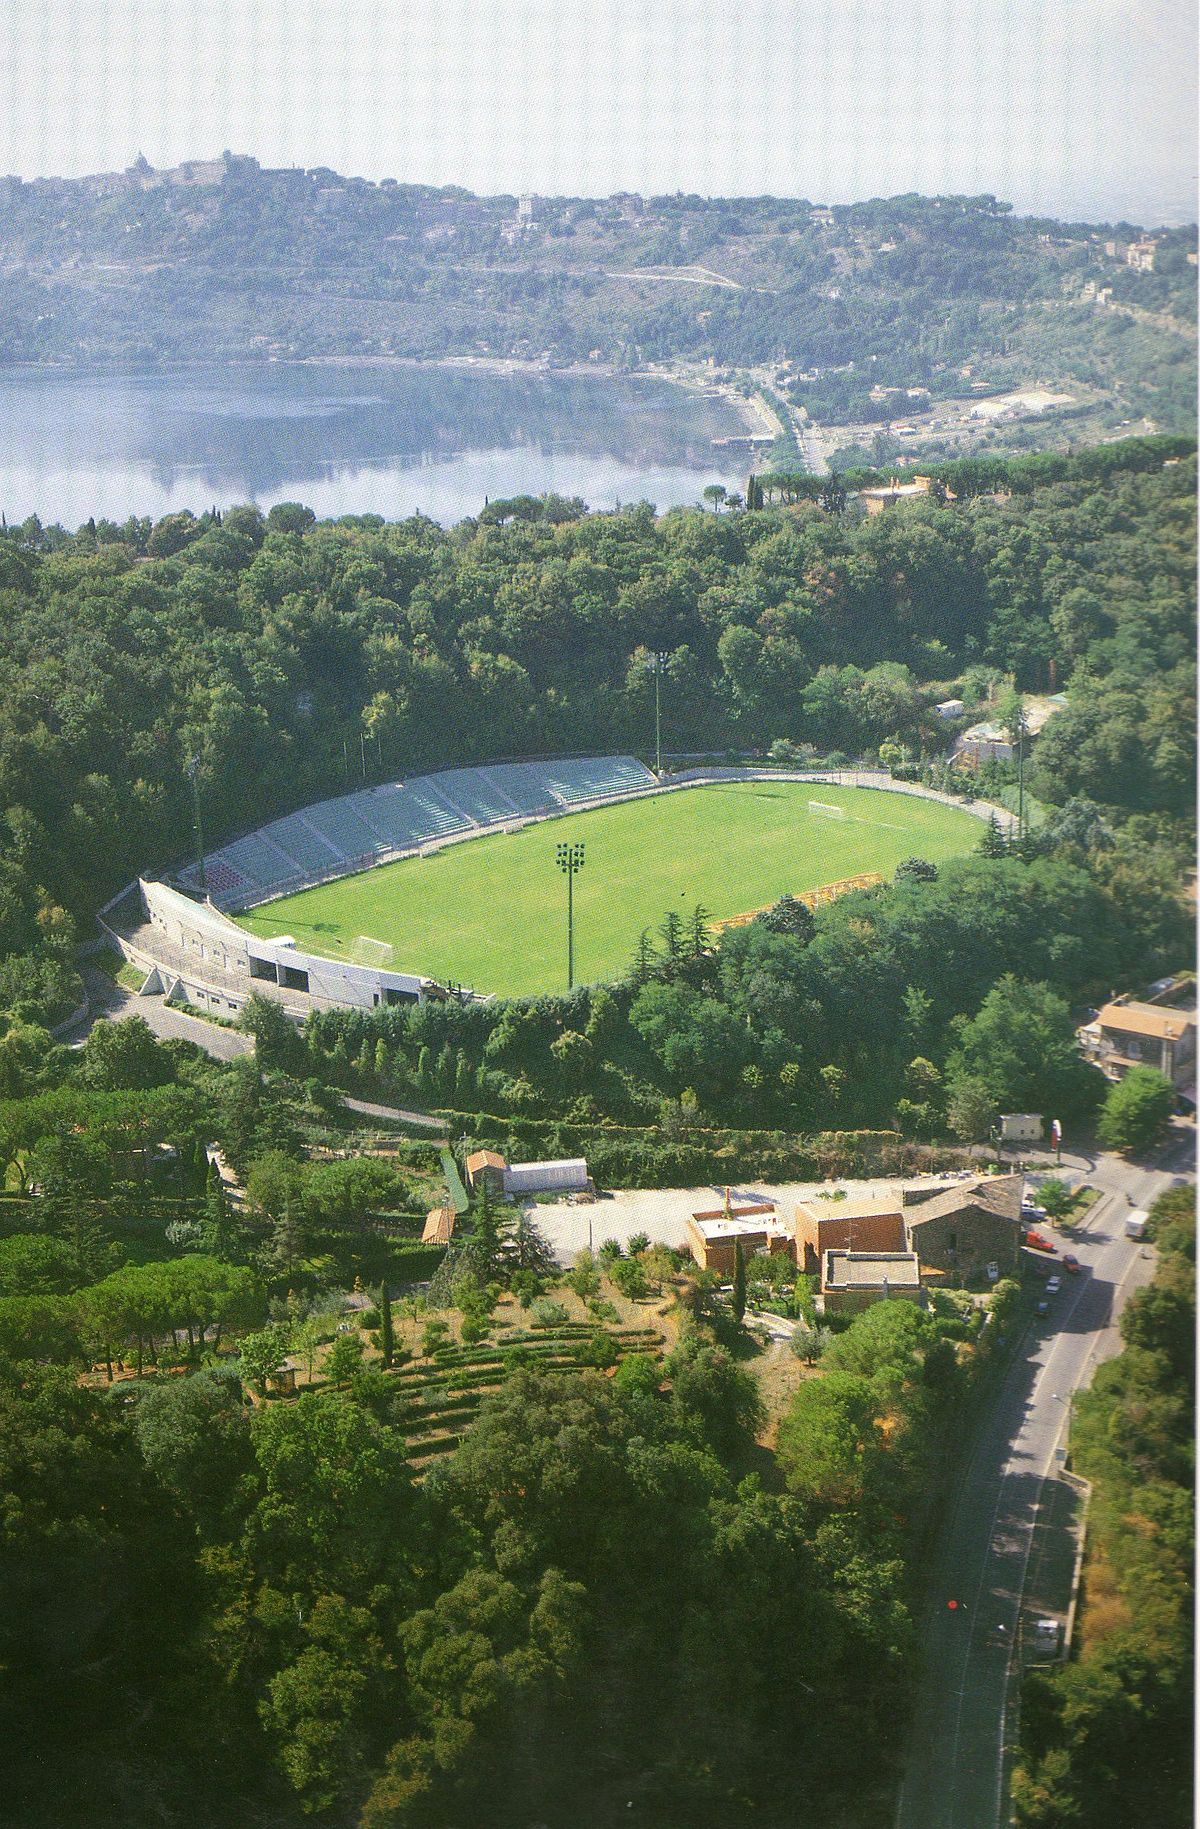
[
  {"x": 1039, "y": 1241},
  {"x": 1031, "y": 1210},
  {"x": 1053, "y": 1285},
  {"x": 1071, "y": 1263}
]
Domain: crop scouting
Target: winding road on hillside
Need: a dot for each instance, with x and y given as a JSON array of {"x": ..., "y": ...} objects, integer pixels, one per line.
[{"x": 957, "y": 1765}]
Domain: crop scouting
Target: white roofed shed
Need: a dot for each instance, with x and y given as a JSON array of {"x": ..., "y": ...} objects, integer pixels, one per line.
[{"x": 569, "y": 1176}]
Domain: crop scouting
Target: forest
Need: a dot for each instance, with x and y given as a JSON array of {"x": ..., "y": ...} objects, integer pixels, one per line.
[
  {"x": 292, "y": 658},
  {"x": 229, "y": 260},
  {"x": 230, "y": 1603}
]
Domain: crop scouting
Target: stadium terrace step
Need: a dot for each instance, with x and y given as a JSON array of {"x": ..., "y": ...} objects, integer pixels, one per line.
[{"x": 350, "y": 831}]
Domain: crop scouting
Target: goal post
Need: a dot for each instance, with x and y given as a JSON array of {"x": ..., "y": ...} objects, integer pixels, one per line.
[
  {"x": 825, "y": 810},
  {"x": 376, "y": 953}
]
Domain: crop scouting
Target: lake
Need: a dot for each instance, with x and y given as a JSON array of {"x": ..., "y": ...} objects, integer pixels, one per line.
[{"x": 386, "y": 440}]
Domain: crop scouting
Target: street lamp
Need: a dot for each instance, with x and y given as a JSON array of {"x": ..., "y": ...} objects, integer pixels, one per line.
[
  {"x": 570, "y": 859},
  {"x": 660, "y": 661},
  {"x": 193, "y": 769}
]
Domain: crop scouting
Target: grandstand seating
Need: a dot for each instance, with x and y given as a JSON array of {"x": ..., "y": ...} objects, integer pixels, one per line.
[
  {"x": 467, "y": 789},
  {"x": 592, "y": 777},
  {"x": 312, "y": 853},
  {"x": 221, "y": 879},
  {"x": 342, "y": 832},
  {"x": 345, "y": 829},
  {"x": 518, "y": 783},
  {"x": 261, "y": 863},
  {"x": 409, "y": 815}
]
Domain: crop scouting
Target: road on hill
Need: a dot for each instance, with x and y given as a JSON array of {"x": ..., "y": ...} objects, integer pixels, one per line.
[
  {"x": 956, "y": 1768},
  {"x": 110, "y": 1002}
]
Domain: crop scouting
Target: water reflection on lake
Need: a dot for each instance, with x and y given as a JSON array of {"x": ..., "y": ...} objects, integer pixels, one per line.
[{"x": 383, "y": 440}]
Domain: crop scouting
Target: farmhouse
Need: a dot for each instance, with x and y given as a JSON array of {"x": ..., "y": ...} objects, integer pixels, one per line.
[{"x": 962, "y": 1231}]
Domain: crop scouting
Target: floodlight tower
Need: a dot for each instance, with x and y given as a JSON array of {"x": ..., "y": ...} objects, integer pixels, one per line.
[
  {"x": 193, "y": 769},
  {"x": 570, "y": 860},
  {"x": 660, "y": 661}
]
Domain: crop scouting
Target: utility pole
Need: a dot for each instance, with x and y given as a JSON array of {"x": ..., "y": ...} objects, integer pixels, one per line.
[
  {"x": 193, "y": 775},
  {"x": 570, "y": 860},
  {"x": 362, "y": 750},
  {"x": 1021, "y": 776}
]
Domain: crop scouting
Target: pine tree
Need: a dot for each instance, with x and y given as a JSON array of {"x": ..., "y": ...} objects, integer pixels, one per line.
[
  {"x": 739, "y": 1282},
  {"x": 993, "y": 843},
  {"x": 643, "y": 958},
  {"x": 671, "y": 931},
  {"x": 387, "y": 1331},
  {"x": 697, "y": 931}
]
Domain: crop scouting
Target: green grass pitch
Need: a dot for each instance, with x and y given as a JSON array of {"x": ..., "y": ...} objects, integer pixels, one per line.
[{"x": 492, "y": 912}]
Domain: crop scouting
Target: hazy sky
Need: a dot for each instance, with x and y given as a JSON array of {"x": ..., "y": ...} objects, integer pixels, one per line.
[{"x": 1081, "y": 107}]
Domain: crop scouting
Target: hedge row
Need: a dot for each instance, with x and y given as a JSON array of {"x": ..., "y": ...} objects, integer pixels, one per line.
[{"x": 620, "y": 1155}]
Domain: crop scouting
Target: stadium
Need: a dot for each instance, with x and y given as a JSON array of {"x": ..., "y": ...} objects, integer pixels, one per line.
[{"x": 446, "y": 884}]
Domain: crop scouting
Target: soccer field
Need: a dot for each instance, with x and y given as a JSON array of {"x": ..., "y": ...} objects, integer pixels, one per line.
[{"x": 492, "y": 913}]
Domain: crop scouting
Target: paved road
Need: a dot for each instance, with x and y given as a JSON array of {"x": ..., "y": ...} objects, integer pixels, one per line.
[
  {"x": 955, "y": 1776},
  {"x": 111, "y": 1001},
  {"x": 395, "y": 1112}
]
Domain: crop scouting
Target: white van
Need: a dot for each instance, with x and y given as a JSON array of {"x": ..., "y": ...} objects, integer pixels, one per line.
[{"x": 1135, "y": 1223}]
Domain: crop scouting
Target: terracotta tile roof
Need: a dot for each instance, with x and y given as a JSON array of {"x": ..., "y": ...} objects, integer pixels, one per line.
[
  {"x": 1145, "y": 1019},
  {"x": 439, "y": 1226},
  {"x": 484, "y": 1159},
  {"x": 998, "y": 1194}
]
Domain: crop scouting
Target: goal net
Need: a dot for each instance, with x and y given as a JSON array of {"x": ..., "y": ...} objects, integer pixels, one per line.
[
  {"x": 825, "y": 810},
  {"x": 377, "y": 953}
]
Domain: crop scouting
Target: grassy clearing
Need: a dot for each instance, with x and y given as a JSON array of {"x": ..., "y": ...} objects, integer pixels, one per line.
[
  {"x": 491, "y": 913},
  {"x": 114, "y": 965}
]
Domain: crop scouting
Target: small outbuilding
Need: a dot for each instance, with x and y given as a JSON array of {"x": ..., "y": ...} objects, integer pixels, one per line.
[
  {"x": 439, "y": 1226},
  {"x": 486, "y": 1164},
  {"x": 568, "y": 1176}
]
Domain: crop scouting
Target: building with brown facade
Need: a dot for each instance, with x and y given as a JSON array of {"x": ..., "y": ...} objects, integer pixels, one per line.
[
  {"x": 855, "y": 1222},
  {"x": 970, "y": 1233}
]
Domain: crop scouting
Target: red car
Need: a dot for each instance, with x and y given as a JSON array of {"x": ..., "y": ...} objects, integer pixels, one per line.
[
  {"x": 1038, "y": 1242},
  {"x": 1071, "y": 1263}
]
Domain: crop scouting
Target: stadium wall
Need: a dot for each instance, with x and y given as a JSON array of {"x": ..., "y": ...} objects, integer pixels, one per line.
[{"x": 190, "y": 950}]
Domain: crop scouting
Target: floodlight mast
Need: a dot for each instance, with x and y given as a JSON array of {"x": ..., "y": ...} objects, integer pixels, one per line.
[
  {"x": 660, "y": 661},
  {"x": 570, "y": 859},
  {"x": 193, "y": 769}
]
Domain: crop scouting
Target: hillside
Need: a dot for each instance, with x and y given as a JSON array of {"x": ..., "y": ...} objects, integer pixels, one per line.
[{"x": 841, "y": 310}]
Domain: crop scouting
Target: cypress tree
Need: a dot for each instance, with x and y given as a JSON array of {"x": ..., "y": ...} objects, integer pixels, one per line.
[
  {"x": 387, "y": 1332},
  {"x": 739, "y": 1282}
]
